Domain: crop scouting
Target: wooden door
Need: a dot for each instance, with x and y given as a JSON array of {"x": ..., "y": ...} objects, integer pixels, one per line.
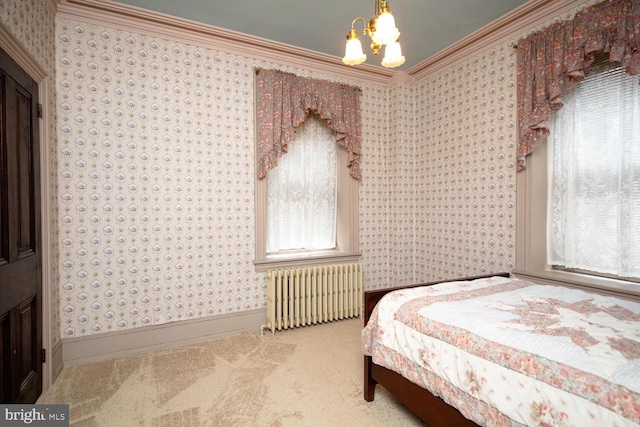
[{"x": 20, "y": 237}]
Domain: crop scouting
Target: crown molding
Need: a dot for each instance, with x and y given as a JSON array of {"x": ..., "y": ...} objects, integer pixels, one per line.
[
  {"x": 143, "y": 21},
  {"x": 511, "y": 26}
]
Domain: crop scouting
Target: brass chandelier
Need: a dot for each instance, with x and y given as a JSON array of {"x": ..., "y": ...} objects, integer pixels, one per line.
[{"x": 383, "y": 32}]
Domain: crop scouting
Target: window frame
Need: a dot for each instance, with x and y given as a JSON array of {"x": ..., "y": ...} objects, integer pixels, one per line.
[
  {"x": 347, "y": 225},
  {"x": 531, "y": 234}
]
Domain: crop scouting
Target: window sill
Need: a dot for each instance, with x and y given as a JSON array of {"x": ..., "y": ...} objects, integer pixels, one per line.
[
  {"x": 617, "y": 287},
  {"x": 322, "y": 258}
]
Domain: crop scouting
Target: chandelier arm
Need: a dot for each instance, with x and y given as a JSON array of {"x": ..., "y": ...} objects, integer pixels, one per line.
[{"x": 364, "y": 23}]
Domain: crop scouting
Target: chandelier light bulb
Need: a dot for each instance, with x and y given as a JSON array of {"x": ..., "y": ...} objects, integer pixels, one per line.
[
  {"x": 392, "y": 55},
  {"x": 386, "y": 31},
  {"x": 353, "y": 54}
]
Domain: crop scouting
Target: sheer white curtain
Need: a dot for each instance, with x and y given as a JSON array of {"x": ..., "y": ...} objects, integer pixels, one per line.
[
  {"x": 301, "y": 191},
  {"x": 594, "y": 199}
]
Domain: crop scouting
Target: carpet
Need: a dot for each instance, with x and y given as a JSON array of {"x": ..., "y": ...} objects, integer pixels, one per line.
[{"x": 310, "y": 376}]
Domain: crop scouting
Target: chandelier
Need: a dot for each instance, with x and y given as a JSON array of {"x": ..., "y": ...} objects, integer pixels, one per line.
[{"x": 383, "y": 32}]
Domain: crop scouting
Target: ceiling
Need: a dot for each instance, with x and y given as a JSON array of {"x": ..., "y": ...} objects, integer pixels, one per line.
[{"x": 426, "y": 26}]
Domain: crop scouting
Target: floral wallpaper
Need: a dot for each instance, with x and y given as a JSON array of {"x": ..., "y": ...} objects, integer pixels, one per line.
[
  {"x": 156, "y": 172},
  {"x": 402, "y": 179},
  {"x": 374, "y": 187},
  {"x": 465, "y": 173},
  {"x": 156, "y": 180},
  {"x": 451, "y": 172},
  {"x": 153, "y": 157}
]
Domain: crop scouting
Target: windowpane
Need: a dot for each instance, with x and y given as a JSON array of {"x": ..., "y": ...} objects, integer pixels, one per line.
[
  {"x": 301, "y": 192},
  {"x": 594, "y": 199}
]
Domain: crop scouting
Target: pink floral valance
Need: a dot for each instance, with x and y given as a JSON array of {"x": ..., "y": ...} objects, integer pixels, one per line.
[
  {"x": 552, "y": 61},
  {"x": 283, "y": 102}
]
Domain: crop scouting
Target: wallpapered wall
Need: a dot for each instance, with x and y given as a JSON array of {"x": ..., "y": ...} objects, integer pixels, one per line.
[
  {"x": 452, "y": 172},
  {"x": 154, "y": 172},
  {"x": 155, "y": 181},
  {"x": 465, "y": 169},
  {"x": 403, "y": 179}
]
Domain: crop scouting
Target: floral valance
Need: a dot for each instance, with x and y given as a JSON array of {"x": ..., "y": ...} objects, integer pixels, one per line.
[
  {"x": 283, "y": 102},
  {"x": 552, "y": 61}
]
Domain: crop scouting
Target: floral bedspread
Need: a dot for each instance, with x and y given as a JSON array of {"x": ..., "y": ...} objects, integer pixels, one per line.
[{"x": 507, "y": 352}]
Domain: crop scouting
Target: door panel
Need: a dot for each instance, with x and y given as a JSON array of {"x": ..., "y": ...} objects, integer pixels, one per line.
[
  {"x": 4, "y": 189},
  {"x": 20, "y": 253},
  {"x": 25, "y": 173},
  {"x": 28, "y": 358},
  {"x": 5, "y": 356}
]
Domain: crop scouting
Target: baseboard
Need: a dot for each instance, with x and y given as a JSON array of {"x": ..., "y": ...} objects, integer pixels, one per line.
[{"x": 111, "y": 345}]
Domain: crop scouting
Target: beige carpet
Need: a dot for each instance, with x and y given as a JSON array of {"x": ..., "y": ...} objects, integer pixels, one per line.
[{"x": 309, "y": 376}]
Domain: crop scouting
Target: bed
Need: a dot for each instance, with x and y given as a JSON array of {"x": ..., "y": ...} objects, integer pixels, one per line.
[{"x": 501, "y": 351}]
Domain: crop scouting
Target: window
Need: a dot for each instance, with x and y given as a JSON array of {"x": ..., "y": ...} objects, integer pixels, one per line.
[
  {"x": 593, "y": 219},
  {"x": 284, "y": 102},
  {"x": 301, "y": 192},
  {"x": 307, "y": 206},
  {"x": 579, "y": 198}
]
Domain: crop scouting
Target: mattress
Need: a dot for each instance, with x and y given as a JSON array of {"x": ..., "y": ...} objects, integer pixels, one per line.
[{"x": 508, "y": 352}]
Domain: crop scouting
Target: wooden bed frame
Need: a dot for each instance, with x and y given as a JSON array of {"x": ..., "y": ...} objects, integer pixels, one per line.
[{"x": 428, "y": 407}]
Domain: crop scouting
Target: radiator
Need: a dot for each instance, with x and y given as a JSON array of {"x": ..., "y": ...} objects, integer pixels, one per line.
[{"x": 309, "y": 295}]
